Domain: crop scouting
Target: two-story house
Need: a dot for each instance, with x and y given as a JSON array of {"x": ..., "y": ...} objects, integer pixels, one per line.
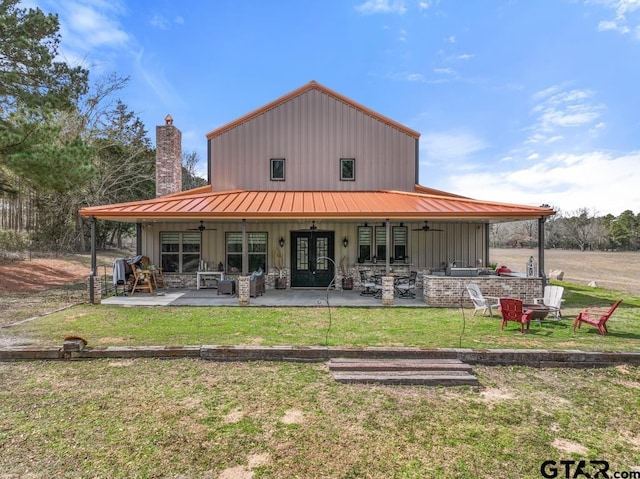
[{"x": 307, "y": 182}]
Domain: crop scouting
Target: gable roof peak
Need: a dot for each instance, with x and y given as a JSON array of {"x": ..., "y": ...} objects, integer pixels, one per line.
[{"x": 313, "y": 85}]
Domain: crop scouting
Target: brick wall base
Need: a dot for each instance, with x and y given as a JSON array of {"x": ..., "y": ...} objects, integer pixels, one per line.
[{"x": 447, "y": 291}]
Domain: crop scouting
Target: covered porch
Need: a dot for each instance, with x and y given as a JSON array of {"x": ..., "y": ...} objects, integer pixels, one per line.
[{"x": 310, "y": 239}]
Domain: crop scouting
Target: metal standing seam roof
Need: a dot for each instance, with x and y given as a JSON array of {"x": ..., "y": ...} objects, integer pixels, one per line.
[{"x": 202, "y": 203}]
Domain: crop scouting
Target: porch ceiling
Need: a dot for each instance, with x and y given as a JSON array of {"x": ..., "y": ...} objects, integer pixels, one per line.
[{"x": 204, "y": 204}]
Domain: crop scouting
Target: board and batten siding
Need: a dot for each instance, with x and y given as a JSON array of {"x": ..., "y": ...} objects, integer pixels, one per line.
[
  {"x": 460, "y": 242},
  {"x": 312, "y": 132}
]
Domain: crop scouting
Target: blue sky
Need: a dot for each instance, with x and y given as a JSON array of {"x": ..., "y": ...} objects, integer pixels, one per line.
[{"x": 519, "y": 101}]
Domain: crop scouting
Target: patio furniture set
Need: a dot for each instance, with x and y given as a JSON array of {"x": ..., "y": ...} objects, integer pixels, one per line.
[
  {"x": 513, "y": 309},
  {"x": 404, "y": 285}
]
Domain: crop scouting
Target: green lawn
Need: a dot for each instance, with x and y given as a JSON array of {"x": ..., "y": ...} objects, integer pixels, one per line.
[
  {"x": 187, "y": 418},
  {"x": 199, "y": 419},
  {"x": 354, "y": 327}
]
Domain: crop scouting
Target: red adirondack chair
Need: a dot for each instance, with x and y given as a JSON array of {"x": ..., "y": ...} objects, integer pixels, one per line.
[
  {"x": 596, "y": 317},
  {"x": 511, "y": 310}
]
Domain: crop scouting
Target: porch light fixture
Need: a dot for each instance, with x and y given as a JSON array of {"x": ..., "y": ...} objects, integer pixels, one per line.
[
  {"x": 345, "y": 241},
  {"x": 281, "y": 242}
]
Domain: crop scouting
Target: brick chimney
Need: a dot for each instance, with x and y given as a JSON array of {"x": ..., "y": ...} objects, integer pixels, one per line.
[{"x": 168, "y": 158}]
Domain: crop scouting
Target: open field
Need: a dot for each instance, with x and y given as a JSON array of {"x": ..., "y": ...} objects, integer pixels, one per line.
[{"x": 613, "y": 270}]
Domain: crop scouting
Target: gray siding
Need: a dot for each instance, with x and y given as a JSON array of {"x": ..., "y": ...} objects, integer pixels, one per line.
[
  {"x": 461, "y": 242},
  {"x": 312, "y": 132}
]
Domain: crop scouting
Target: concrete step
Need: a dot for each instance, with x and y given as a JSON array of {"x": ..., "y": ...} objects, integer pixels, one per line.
[
  {"x": 429, "y": 372},
  {"x": 348, "y": 364}
]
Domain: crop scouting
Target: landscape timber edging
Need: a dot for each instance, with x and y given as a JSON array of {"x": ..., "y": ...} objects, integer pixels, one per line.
[{"x": 488, "y": 357}]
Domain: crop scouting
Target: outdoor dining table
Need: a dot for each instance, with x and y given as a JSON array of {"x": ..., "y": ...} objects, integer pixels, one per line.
[{"x": 397, "y": 279}]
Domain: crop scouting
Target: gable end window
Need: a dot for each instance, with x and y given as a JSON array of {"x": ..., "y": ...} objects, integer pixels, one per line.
[
  {"x": 277, "y": 169},
  {"x": 347, "y": 169}
]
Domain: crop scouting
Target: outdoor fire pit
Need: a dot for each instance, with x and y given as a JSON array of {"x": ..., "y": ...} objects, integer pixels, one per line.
[{"x": 539, "y": 310}]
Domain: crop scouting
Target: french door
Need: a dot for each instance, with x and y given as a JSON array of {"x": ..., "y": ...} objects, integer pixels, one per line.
[{"x": 310, "y": 267}]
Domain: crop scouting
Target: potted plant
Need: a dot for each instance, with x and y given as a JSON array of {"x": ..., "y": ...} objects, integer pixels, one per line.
[
  {"x": 281, "y": 283},
  {"x": 347, "y": 280}
]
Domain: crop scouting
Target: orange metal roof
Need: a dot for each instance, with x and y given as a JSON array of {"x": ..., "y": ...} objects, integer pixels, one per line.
[
  {"x": 303, "y": 89},
  {"x": 280, "y": 205}
]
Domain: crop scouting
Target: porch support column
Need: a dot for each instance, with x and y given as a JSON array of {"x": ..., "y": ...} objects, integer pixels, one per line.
[
  {"x": 93, "y": 282},
  {"x": 94, "y": 261},
  {"x": 388, "y": 246},
  {"x": 541, "y": 272},
  {"x": 138, "y": 239},
  {"x": 245, "y": 245},
  {"x": 487, "y": 249}
]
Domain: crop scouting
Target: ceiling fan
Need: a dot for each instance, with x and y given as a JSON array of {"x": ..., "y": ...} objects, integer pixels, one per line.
[
  {"x": 200, "y": 228},
  {"x": 313, "y": 226},
  {"x": 426, "y": 227}
]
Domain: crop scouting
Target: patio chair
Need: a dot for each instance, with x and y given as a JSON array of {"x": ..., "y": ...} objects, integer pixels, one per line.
[
  {"x": 406, "y": 285},
  {"x": 367, "y": 283},
  {"x": 596, "y": 317},
  {"x": 142, "y": 279},
  {"x": 552, "y": 299},
  {"x": 511, "y": 310},
  {"x": 482, "y": 302}
]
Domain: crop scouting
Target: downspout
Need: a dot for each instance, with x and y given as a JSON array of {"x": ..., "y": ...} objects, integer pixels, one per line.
[
  {"x": 138, "y": 239},
  {"x": 94, "y": 262},
  {"x": 541, "y": 221},
  {"x": 245, "y": 246}
]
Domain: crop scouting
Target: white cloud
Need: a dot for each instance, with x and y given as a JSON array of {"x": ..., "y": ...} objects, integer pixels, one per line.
[
  {"x": 607, "y": 25},
  {"x": 625, "y": 11},
  {"x": 382, "y": 6},
  {"x": 444, "y": 71},
  {"x": 158, "y": 21},
  {"x": 450, "y": 145},
  {"x": 465, "y": 56},
  {"x": 594, "y": 180},
  {"x": 560, "y": 109},
  {"x": 91, "y": 25}
]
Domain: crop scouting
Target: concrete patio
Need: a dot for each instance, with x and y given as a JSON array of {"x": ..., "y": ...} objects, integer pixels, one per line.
[{"x": 272, "y": 298}]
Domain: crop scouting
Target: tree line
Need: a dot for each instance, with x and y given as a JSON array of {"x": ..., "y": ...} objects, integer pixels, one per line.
[
  {"x": 66, "y": 142},
  {"x": 582, "y": 229}
]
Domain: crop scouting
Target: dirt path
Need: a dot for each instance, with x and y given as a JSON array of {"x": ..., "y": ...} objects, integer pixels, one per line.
[{"x": 30, "y": 288}]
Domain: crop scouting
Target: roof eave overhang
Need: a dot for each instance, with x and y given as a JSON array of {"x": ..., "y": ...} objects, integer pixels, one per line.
[{"x": 404, "y": 216}]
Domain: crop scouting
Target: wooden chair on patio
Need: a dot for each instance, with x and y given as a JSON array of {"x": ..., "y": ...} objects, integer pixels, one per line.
[
  {"x": 596, "y": 317},
  {"x": 142, "y": 279}
]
